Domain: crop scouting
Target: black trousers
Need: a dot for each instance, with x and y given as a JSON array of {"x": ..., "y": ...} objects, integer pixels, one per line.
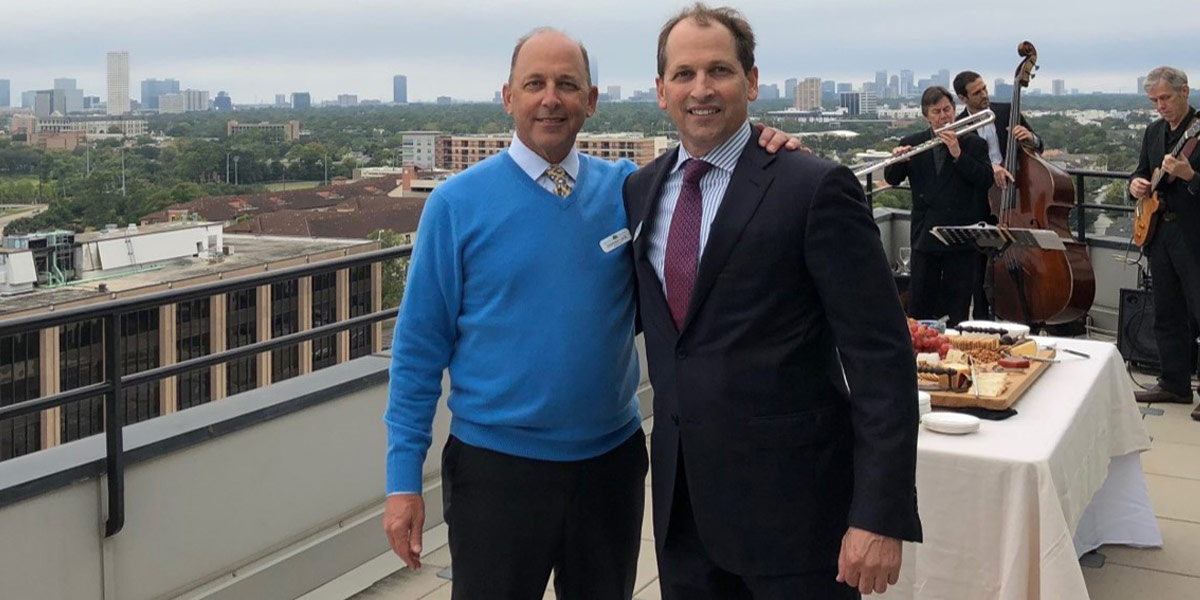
[
  {"x": 1175, "y": 271},
  {"x": 941, "y": 285},
  {"x": 513, "y": 520},
  {"x": 686, "y": 572}
]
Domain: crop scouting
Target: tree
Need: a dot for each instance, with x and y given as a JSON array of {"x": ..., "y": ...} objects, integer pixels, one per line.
[{"x": 395, "y": 272}]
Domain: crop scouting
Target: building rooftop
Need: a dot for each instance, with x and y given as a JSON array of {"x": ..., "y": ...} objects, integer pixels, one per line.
[{"x": 245, "y": 251}]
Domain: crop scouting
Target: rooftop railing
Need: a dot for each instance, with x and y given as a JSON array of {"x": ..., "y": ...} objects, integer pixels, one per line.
[{"x": 114, "y": 382}]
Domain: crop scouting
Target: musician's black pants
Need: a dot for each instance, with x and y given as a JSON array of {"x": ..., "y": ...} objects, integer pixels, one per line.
[
  {"x": 512, "y": 520},
  {"x": 980, "y": 308},
  {"x": 1175, "y": 275},
  {"x": 941, "y": 284}
]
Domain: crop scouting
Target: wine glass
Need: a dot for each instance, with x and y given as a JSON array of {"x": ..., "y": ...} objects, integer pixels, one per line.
[{"x": 905, "y": 255}]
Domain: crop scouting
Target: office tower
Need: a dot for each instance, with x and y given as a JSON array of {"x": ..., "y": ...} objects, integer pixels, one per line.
[
  {"x": 223, "y": 102},
  {"x": 768, "y": 92},
  {"x": 906, "y": 83},
  {"x": 893, "y": 88},
  {"x": 280, "y": 99},
  {"x": 1141, "y": 86},
  {"x": 881, "y": 83},
  {"x": 1058, "y": 87},
  {"x": 924, "y": 84},
  {"x": 118, "y": 83},
  {"x": 195, "y": 100},
  {"x": 943, "y": 78},
  {"x": 46, "y": 103},
  {"x": 808, "y": 94},
  {"x": 400, "y": 89},
  {"x": 845, "y": 87},
  {"x": 153, "y": 88},
  {"x": 789, "y": 89},
  {"x": 347, "y": 99},
  {"x": 851, "y": 101},
  {"x": 28, "y": 98},
  {"x": 301, "y": 100},
  {"x": 71, "y": 98},
  {"x": 5, "y": 91},
  {"x": 614, "y": 93},
  {"x": 594, "y": 70},
  {"x": 498, "y": 98}
]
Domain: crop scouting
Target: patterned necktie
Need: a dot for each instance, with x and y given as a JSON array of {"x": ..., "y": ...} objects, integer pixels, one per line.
[
  {"x": 562, "y": 181},
  {"x": 683, "y": 241}
]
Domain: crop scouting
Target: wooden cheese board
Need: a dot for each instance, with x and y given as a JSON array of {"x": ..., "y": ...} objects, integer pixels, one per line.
[{"x": 1018, "y": 383}]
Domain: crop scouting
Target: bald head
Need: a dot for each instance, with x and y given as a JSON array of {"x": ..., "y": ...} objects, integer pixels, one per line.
[{"x": 549, "y": 35}]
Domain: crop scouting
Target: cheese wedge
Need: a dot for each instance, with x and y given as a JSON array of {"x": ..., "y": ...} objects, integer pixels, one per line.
[{"x": 1026, "y": 348}]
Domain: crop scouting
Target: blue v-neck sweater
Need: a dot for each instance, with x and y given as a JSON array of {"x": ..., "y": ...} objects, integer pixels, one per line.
[{"x": 510, "y": 289}]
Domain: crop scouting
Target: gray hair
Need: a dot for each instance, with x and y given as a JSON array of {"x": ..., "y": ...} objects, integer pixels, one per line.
[
  {"x": 587, "y": 65},
  {"x": 1174, "y": 78}
]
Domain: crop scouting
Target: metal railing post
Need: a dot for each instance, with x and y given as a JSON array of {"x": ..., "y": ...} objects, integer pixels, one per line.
[
  {"x": 1080, "y": 198},
  {"x": 114, "y": 458},
  {"x": 870, "y": 192}
]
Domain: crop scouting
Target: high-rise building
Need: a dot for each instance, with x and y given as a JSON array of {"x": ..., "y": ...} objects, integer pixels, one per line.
[
  {"x": 943, "y": 78},
  {"x": 301, "y": 100},
  {"x": 893, "y": 88},
  {"x": 195, "y": 100},
  {"x": 118, "y": 83},
  {"x": 844, "y": 87},
  {"x": 223, "y": 102},
  {"x": 48, "y": 102},
  {"x": 5, "y": 91},
  {"x": 71, "y": 97},
  {"x": 614, "y": 93},
  {"x": 881, "y": 83},
  {"x": 400, "y": 89},
  {"x": 789, "y": 89},
  {"x": 153, "y": 88},
  {"x": 281, "y": 100},
  {"x": 868, "y": 103},
  {"x": 445, "y": 100},
  {"x": 852, "y": 102},
  {"x": 1058, "y": 87},
  {"x": 907, "y": 84},
  {"x": 1141, "y": 86},
  {"x": 594, "y": 70},
  {"x": 498, "y": 98},
  {"x": 347, "y": 99},
  {"x": 925, "y": 84},
  {"x": 808, "y": 94},
  {"x": 768, "y": 92},
  {"x": 27, "y": 98}
]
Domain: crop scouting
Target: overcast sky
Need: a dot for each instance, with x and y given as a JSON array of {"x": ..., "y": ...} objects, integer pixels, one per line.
[{"x": 254, "y": 48}]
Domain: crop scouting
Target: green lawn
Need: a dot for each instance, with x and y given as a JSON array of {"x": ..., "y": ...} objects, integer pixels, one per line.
[
  {"x": 18, "y": 179},
  {"x": 292, "y": 185}
]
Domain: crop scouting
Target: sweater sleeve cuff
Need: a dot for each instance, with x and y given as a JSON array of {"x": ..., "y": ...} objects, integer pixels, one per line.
[
  {"x": 403, "y": 474},
  {"x": 1194, "y": 185}
]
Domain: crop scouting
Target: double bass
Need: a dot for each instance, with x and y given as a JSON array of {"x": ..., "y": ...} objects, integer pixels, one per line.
[{"x": 1032, "y": 285}]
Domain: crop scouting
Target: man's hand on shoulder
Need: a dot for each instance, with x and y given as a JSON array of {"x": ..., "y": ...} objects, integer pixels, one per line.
[
  {"x": 403, "y": 521},
  {"x": 773, "y": 139},
  {"x": 868, "y": 561}
]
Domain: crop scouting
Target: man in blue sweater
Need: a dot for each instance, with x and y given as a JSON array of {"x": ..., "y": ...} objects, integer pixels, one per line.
[{"x": 521, "y": 284}]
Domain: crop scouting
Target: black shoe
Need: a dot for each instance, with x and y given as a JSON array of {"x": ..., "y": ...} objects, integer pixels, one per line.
[
  {"x": 1196, "y": 414},
  {"x": 1158, "y": 395}
]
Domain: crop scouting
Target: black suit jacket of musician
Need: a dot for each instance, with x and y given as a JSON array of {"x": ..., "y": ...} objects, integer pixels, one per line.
[
  {"x": 1181, "y": 198},
  {"x": 1003, "y": 111},
  {"x": 780, "y": 457},
  {"x": 956, "y": 196}
]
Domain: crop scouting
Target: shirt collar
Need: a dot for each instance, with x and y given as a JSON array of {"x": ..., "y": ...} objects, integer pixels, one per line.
[
  {"x": 535, "y": 166},
  {"x": 724, "y": 156}
]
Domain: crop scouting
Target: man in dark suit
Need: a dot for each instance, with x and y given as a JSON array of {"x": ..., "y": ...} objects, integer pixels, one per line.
[
  {"x": 973, "y": 93},
  {"x": 763, "y": 290},
  {"x": 1174, "y": 249},
  {"x": 949, "y": 187}
]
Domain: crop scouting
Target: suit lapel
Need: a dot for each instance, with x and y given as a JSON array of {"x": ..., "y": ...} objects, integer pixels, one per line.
[
  {"x": 747, "y": 186},
  {"x": 649, "y": 211}
]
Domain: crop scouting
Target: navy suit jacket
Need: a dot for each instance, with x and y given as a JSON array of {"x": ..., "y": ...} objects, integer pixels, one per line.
[{"x": 792, "y": 288}]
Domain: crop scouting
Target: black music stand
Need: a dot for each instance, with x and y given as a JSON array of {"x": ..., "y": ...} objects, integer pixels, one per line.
[{"x": 993, "y": 240}]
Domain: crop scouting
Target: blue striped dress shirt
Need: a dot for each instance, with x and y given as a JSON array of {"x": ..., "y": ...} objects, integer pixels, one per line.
[{"x": 712, "y": 188}]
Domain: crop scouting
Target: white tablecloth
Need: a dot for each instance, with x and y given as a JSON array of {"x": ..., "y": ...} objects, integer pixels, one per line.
[{"x": 1001, "y": 507}]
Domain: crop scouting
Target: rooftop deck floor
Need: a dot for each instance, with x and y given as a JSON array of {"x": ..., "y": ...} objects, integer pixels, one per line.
[{"x": 1172, "y": 467}]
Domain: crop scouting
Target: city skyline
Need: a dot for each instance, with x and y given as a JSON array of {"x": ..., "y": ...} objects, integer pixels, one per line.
[{"x": 464, "y": 54}]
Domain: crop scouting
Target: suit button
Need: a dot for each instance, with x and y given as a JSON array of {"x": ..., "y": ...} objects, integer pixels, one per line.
[
  {"x": 681, "y": 353},
  {"x": 675, "y": 419}
]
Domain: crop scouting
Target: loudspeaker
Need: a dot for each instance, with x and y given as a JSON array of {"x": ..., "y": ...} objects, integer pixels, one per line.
[{"x": 1135, "y": 329}]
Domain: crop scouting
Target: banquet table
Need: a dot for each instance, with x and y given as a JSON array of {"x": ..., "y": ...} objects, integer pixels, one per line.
[{"x": 1008, "y": 510}]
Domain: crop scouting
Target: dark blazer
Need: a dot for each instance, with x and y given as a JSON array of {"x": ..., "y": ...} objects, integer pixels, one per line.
[
  {"x": 780, "y": 457},
  {"x": 1003, "y": 111},
  {"x": 1181, "y": 198},
  {"x": 956, "y": 196}
]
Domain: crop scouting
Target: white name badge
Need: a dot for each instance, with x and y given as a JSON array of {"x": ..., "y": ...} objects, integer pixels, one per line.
[{"x": 615, "y": 240}]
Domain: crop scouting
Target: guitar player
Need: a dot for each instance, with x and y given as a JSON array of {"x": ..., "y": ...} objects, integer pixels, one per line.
[{"x": 1174, "y": 250}]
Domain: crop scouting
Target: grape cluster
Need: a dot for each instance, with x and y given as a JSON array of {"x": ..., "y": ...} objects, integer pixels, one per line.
[{"x": 927, "y": 339}]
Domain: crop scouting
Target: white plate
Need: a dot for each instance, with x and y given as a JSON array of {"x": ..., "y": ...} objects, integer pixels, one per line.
[
  {"x": 950, "y": 422},
  {"x": 1015, "y": 330}
]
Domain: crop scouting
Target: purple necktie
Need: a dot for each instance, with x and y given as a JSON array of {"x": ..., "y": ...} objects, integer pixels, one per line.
[{"x": 683, "y": 241}]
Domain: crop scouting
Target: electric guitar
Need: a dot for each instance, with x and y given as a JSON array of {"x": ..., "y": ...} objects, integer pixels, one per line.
[{"x": 1145, "y": 214}]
